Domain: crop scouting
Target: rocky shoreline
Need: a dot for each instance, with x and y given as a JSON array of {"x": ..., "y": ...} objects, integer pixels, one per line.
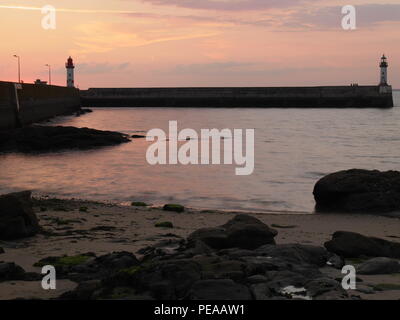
[
  {"x": 107, "y": 251},
  {"x": 37, "y": 138}
]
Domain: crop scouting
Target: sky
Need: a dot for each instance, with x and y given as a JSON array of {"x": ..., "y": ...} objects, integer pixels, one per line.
[{"x": 169, "y": 43}]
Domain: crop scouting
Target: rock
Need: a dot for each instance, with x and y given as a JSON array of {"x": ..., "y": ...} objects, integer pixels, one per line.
[
  {"x": 387, "y": 286},
  {"x": 260, "y": 265},
  {"x": 47, "y": 138},
  {"x": 126, "y": 293},
  {"x": 199, "y": 248},
  {"x": 116, "y": 261},
  {"x": 353, "y": 245},
  {"x": 258, "y": 278},
  {"x": 162, "y": 280},
  {"x": 325, "y": 289},
  {"x": 243, "y": 231},
  {"x": 221, "y": 289},
  {"x": 379, "y": 265},
  {"x": 217, "y": 268},
  {"x": 17, "y": 219},
  {"x": 159, "y": 250},
  {"x": 215, "y": 238},
  {"x": 235, "y": 253},
  {"x": 295, "y": 293},
  {"x": 335, "y": 261},
  {"x": 285, "y": 278},
  {"x": 365, "y": 289},
  {"x": 84, "y": 291},
  {"x": 170, "y": 279},
  {"x": 174, "y": 208},
  {"x": 165, "y": 224},
  {"x": 87, "y": 267},
  {"x": 307, "y": 271},
  {"x": 359, "y": 191},
  {"x": 296, "y": 253},
  {"x": 261, "y": 291},
  {"x": 139, "y": 204},
  {"x": 247, "y": 232},
  {"x": 9, "y": 271}
]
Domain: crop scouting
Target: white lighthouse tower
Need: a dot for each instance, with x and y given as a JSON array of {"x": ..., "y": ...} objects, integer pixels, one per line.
[
  {"x": 384, "y": 71},
  {"x": 70, "y": 73}
]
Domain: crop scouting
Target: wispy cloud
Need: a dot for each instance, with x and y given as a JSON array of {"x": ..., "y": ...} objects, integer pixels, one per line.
[
  {"x": 102, "y": 37},
  {"x": 306, "y": 17},
  {"x": 97, "y": 68},
  {"x": 213, "y": 68},
  {"x": 72, "y": 10},
  {"x": 231, "y": 5},
  {"x": 368, "y": 15},
  {"x": 235, "y": 68}
]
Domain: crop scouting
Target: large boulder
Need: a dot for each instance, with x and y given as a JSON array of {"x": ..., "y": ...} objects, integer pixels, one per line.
[
  {"x": 17, "y": 219},
  {"x": 379, "y": 265},
  {"x": 352, "y": 245},
  {"x": 299, "y": 254},
  {"x": 243, "y": 231},
  {"x": 358, "y": 190},
  {"x": 10, "y": 271}
]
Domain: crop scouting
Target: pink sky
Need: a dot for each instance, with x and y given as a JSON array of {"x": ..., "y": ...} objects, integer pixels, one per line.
[{"x": 150, "y": 43}]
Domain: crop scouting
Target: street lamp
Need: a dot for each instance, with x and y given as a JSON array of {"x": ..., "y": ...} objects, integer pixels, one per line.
[
  {"x": 19, "y": 67},
  {"x": 49, "y": 66}
]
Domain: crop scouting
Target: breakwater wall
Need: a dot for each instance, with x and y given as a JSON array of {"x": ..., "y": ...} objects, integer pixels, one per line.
[
  {"x": 29, "y": 103},
  {"x": 256, "y": 97}
]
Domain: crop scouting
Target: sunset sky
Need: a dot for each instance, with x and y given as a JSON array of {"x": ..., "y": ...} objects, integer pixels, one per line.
[{"x": 151, "y": 43}]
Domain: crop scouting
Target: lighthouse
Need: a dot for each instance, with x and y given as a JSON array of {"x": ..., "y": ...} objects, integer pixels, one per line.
[
  {"x": 70, "y": 73},
  {"x": 384, "y": 72}
]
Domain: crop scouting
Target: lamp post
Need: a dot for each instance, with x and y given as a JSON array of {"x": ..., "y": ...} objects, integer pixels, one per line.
[
  {"x": 19, "y": 67},
  {"x": 49, "y": 66}
]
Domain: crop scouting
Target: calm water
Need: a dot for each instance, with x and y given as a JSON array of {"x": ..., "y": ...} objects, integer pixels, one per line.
[{"x": 293, "y": 149}]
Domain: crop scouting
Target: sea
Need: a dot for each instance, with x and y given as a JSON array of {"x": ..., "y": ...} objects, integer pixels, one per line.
[{"x": 293, "y": 149}]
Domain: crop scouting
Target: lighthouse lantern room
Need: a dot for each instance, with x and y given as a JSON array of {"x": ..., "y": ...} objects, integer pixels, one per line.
[
  {"x": 384, "y": 71},
  {"x": 70, "y": 73}
]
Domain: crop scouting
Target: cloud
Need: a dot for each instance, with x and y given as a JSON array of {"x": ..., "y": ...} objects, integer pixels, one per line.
[
  {"x": 211, "y": 68},
  {"x": 228, "y": 5},
  {"x": 368, "y": 15},
  {"x": 233, "y": 68},
  {"x": 99, "y": 37},
  {"x": 313, "y": 17},
  {"x": 98, "y": 68},
  {"x": 94, "y": 68}
]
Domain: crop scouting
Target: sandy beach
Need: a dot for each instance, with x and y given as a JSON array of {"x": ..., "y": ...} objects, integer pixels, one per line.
[{"x": 76, "y": 226}]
